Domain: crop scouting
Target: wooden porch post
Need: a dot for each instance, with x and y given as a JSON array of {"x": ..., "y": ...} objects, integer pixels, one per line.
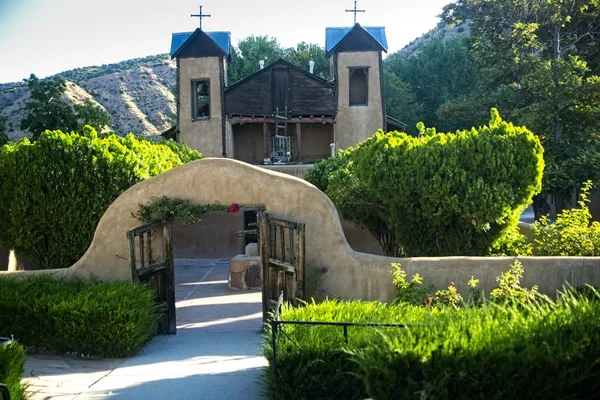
[
  {"x": 299, "y": 140},
  {"x": 266, "y": 140}
]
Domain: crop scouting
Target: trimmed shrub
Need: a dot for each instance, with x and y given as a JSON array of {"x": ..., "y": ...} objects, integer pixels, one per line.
[
  {"x": 451, "y": 194},
  {"x": 12, "y": 365},
  {"x": 82, "y": 317},
  {"x": 354, "y": 200},
  {"x": 53, "y": 192},
  {"x": 542, "y": 350}
]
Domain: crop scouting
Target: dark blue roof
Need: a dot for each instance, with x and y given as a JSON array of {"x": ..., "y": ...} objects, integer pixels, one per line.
[
  {"x": 222, "y": 39},
  {"x": 334, "y": 35}
]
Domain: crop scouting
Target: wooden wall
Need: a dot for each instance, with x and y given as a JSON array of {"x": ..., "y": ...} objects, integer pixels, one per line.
[{"x": 259, "y": 94}]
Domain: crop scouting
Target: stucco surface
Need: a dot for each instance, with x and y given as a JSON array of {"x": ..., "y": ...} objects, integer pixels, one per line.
[
  {"x": 349, "y": 274},
  {"x": 201, "y": 135},
  {"x": 357, "y": 123}
]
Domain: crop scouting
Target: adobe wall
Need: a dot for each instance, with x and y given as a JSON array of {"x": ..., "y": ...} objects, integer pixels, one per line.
[{"x": 350, "y": 274}]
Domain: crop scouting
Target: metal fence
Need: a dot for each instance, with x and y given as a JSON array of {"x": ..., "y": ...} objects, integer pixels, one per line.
[{"x": 277, "y": 325}]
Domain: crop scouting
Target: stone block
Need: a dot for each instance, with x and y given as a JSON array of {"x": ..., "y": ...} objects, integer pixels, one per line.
[{"x": 244, "y": 273}]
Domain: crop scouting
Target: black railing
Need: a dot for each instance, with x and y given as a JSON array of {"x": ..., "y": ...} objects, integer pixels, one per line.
[{"x": 277, "y": 328}]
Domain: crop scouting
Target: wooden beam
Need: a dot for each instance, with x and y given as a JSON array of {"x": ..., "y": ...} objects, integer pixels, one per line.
[
  {"x": 269, "y": 120},
  {"x": 299, "y": 140}
]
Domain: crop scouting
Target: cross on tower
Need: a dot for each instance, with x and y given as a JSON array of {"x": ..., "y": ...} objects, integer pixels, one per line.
[
  {"x": 200, "y": 16},
  {"x": 355, "y": 11}
]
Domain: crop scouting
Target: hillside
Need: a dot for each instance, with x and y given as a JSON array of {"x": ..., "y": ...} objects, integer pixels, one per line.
[
  {"x": 448, "y": 32},
  {"x": 137, "y": 94}
]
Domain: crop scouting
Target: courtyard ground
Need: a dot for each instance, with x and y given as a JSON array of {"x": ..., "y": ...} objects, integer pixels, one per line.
[{"x": 214, "y": 355}]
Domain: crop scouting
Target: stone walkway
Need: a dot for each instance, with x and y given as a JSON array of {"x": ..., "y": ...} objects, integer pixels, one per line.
[{"x": 214, "y": 355}]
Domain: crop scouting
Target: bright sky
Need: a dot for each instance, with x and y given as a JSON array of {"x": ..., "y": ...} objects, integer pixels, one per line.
[{"x": 45, "y": 37}]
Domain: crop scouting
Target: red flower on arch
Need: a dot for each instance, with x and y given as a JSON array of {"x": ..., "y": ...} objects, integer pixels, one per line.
[{"x": 233, "y": 208}]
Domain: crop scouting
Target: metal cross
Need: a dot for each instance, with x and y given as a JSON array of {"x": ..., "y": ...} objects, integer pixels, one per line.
[
  {"x": 200, "y": 16},
  {"x": 355, "y": 11}
]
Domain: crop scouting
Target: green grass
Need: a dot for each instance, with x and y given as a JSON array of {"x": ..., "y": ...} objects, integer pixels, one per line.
[
  {"x": 543, "y": 350},
  {"x": 12, "y": 365},
  {"x": 82, "y": 317}
]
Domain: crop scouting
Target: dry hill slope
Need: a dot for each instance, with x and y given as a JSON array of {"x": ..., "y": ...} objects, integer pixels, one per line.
[{"x": 136, "y": 94}]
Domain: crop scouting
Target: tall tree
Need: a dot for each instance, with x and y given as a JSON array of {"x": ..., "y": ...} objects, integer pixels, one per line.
[
  {"x": 401, "y": 102},
  {"x": 304, "y": 53},
  {"x": 47, "y": 110},
  {"x": 537, "y": 52},
  {"x": 90, "y": 114},
  {"x": 3, "y": 137},
  {"x": 442, "y": 70},
  {"x": 244, "y": 59}
]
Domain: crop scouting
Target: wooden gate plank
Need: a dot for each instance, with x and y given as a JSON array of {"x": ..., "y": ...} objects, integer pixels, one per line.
[{"x": 170, "y": 275}]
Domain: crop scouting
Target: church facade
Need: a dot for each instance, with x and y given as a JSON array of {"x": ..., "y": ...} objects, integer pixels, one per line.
[{"x": 281, "y": 114}]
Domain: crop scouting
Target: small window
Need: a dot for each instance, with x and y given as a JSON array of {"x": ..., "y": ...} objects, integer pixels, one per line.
[
  {"x": 358, "y": 86},
  {"x": 201, "y": 99}
]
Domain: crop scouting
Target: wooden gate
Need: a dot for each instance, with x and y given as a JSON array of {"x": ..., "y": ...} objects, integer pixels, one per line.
[
  {"x": 151, "y": 261},
  {"x": 282, "y": 252}
]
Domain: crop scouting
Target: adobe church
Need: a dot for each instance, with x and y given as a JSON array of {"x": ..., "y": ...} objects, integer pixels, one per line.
[{"x": 281, "y": 114}]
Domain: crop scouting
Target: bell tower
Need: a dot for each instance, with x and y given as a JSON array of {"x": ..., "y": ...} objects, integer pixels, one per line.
[
  {"x": 201, "y": 78},
  {"x": 356, "y": 64}
]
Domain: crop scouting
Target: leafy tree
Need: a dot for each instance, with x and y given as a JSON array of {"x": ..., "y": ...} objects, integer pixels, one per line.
[
  {"x": 90, "y": 114},
  {"x": 304, "y": 52},
  {"x": 244, "y": 60},
  {"x": 55, "y": 190},
  {"x": 546, "y": 53},
  {"x": 356, "y": 202},
  {"x": 442, "y": 70},
  {"x": 47, "y": 110},
  {"x": 3, "y": 137},
  {"x": 401, "y": 102}
]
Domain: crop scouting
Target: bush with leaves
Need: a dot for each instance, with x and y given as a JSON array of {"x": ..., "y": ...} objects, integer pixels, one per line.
[
  {"x": 12, "y": 366},
  {"x": 572, "y": 234},
  {"x": 54, "y": 191},
  {"x": 451, "y": 194},
  {"x": 509, "y": 288},
  {"x": 413, "y": 291},
  {"x": 355, "y": 201},
  {"x": 166, "y": 209},
  {"x": 448, "y": 297},
  {"x": 75, "y": 316}
]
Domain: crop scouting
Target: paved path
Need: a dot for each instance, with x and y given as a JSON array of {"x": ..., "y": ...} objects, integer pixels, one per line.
[{"x": 214, "y": 355}]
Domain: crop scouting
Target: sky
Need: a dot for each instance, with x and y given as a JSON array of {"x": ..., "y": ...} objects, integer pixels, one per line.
[{"x": 45, "y": 37}]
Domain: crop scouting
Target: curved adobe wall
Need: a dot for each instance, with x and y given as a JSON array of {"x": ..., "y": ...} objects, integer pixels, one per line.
[
  {"x": 350, "y": 274},
  {"x": 226, "y": 181}
]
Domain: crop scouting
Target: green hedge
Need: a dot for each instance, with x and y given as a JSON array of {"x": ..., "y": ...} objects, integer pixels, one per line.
[
  {"x": 322, "y": 367},
  {"x": 545, "y": 350},
  {"x": 54, "y": 191},
  {"x": 441, "y": 194},
  {"x": 12, "y": 365},
  {"x": 82, "y": 317}
]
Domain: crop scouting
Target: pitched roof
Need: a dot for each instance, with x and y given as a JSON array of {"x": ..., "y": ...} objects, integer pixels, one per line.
[
  {"x": 281, "y": 61},
  {"x": 221, "y": 39},
  {"x": 333, "y": 36}
]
